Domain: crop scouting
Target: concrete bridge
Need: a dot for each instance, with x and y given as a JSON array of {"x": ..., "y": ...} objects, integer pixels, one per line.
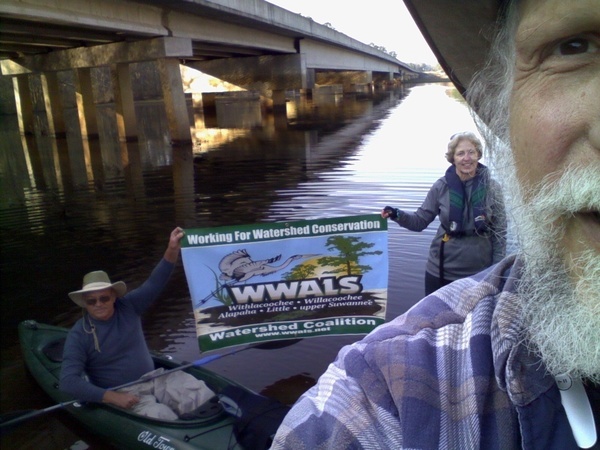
[{"x": 250, "y": 43}]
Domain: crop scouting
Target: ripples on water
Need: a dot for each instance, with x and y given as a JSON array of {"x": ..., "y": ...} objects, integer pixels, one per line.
[{"x": 335, "y": 158}]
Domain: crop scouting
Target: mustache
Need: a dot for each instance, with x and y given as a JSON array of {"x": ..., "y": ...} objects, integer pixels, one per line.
[{"x": 577, "y": 190}]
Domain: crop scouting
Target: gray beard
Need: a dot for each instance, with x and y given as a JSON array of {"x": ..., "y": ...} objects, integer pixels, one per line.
[{"x": 561, "y": 310}]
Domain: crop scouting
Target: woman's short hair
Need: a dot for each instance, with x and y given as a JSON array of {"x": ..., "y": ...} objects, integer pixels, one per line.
[{"x": 463, "y": 136}]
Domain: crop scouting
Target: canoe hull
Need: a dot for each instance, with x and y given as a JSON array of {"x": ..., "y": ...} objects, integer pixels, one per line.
[{"x": 120, "y": 427}]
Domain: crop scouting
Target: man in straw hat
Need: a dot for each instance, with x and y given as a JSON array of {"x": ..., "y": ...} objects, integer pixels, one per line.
[
  {"x": 508, "y": 358},
  {"x": 107, "y": 347}
]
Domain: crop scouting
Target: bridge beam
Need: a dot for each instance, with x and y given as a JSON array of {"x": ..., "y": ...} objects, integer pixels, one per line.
[
  {"x": 99, "y": 55},
  {"x": 263, "y": 74}
]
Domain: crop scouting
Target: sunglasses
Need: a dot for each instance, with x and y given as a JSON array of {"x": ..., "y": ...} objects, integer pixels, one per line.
[{"x": 92, "y": 300}]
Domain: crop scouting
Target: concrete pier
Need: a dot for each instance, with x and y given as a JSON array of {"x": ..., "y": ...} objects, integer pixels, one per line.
[
  {"x": 69, "y": 63},
  {"x": 124, "y": 102},
  {"x": 166, "y": 51}
]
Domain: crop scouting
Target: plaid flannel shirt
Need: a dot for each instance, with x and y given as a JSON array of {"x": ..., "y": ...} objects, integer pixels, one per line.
[{"x": 450, "y": 373}]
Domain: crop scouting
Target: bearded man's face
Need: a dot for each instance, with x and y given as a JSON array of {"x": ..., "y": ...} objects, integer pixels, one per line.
[{"x": 555, "y": 136}]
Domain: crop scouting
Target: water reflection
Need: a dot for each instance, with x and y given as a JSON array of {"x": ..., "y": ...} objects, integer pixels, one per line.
[{"x": 71, "y": 205}]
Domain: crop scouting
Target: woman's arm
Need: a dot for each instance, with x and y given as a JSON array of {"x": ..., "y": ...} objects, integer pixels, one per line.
[{"x": 426, "y": 213}]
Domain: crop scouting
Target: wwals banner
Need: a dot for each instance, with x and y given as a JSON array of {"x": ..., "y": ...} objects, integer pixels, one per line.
[{"x": 273, "y": 281}]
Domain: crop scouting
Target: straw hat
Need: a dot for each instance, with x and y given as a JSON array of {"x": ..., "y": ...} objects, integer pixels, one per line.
[
  {"x": 96, "y": 281},
  {"x": 459, "y": 32}
]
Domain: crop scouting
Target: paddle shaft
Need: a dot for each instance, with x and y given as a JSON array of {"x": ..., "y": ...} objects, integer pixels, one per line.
[{"x": 197, "y": 363}]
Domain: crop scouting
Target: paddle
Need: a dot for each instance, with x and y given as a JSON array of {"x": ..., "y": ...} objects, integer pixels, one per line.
[{"x": 38, "y": 412}]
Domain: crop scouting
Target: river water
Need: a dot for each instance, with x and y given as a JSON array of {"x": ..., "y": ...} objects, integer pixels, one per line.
[{"x": 328, "y": 156}]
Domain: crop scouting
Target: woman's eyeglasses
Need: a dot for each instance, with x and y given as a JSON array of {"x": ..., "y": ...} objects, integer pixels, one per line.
[{"x": 91, "y": 301}]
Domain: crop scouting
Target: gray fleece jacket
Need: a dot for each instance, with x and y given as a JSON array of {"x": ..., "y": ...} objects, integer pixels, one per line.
[{"x": 464, "y": 255}]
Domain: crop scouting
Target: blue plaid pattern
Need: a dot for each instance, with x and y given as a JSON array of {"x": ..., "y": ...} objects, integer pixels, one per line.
[{"x": 450, "y": 373}]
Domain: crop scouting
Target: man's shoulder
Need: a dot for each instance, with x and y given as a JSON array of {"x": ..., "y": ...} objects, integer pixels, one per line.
[
  {"x": 422, "y": 366},
  {"x": 77, "y": 327},
  {"x": 464, "y": 306}
]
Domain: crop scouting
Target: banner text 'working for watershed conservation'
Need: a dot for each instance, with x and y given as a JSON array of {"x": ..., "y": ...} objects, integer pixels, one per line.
[{"x": 269, "y": 232}]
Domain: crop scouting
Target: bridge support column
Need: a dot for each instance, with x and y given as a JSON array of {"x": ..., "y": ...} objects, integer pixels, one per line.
[
  {"x": 53, "y": 105},
  {"x": 183, "y": 184},
  {"x": 24, "y": 104},
  {"x": 353, "y": 81},
  {"x": 86, "y": 108},
  {"x": 383, "y": 80},
  {"x": 8, "y": 105},
  {"x": 369, "y": 85},
  {"x": 311, "y": 80},
  {"x": 124, "y": 102},
  {"x": 174, "y": 98},
  {"x": 279, "y": 99},
  {"x": 39, "y": 102}
]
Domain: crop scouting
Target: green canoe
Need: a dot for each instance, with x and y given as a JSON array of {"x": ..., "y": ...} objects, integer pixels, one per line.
[{"x": 250, "y": 425}]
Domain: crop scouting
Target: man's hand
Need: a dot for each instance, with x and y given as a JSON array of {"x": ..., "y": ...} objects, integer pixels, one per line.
[
  {"x": 390, "y": 212},
  {"x": 122, "y": 399},
  {"x": 172, "y": 252}
]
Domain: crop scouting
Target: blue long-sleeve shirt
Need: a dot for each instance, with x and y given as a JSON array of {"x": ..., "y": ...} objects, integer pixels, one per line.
[
  {"x": 124, "y": 354},
  {"x": 451, "y": 373}
]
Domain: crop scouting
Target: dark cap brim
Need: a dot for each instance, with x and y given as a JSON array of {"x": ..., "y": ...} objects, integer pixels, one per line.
[{"x": 459, "y": 33}]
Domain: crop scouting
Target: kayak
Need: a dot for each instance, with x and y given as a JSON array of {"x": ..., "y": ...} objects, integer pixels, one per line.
[{"x": 235, "y": 419}]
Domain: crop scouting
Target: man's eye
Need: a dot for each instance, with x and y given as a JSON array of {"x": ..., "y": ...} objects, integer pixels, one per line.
[{"x": 575, "y": 46}]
